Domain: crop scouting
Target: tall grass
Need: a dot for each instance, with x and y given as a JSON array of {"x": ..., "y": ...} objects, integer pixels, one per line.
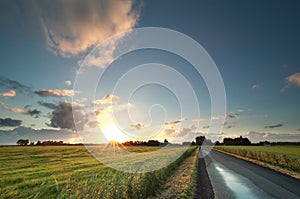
[
  {"x": 71, "y": 172},
  {"x": 283, "y": 157}
]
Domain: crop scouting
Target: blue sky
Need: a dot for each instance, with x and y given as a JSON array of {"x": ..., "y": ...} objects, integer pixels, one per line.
[{"x": 255, "y": 45}]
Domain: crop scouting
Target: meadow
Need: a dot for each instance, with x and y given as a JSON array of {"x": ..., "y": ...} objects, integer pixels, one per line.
[
  {"x": 72, "y": 172},
  {"x": 287, "y": 157}
]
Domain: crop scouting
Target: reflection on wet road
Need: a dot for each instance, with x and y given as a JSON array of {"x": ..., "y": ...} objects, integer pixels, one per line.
[
  {"x": 240, "y": 186},
  {"x": 235, "y": 178}
]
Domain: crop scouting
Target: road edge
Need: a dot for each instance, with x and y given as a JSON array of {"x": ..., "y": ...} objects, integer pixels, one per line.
[{"x": 203, "y": 186}]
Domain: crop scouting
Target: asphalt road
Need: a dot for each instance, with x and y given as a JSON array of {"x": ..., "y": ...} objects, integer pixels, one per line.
[{"x": 232, "y": 177}]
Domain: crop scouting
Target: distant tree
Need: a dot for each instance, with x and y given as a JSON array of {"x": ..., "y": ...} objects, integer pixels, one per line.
[
  {"x": 38, "y": 143},
  {"x": 236, "y": 141},
  {"x": 153, "y": 143},
  {"x": 31, "y": 143},
  {"x": 200, "y": 140},
  {"x": 193, "y": 143},
  {"x": 22, "y": 142},
  {"x": 218, "y": 143},
  {"x": 166, "y": 142}
]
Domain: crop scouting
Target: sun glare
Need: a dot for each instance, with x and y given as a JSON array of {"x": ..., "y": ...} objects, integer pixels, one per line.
[{"x": 113, "y": 133}]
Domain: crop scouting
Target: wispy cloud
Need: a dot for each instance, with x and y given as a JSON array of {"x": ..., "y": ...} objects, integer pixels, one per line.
[
  {"x": 9, "y": 122},
  {"x": 56, "y": 93},
  {"x": 108, "y": 99},
  {"x": 137, "y": 126},
  {"x": 72, "y": 27},
  {"x": 32, "y": 112},
  {"x": 293, "y": 79},
  {"x": 200, "y": 119},
  {"x": 274, "y": 126},
  {"x": 172, "y": 123},
  {"x": 10, "y": 93},
  {"x": 256, "y": 86},
  {"x": 47, "y": 105},
  {"x": 231, "y": 126},
  {"x": 229, "y": 116},
  {"x": 13, "y": 85},
  {"x": 272, "y": 137}
]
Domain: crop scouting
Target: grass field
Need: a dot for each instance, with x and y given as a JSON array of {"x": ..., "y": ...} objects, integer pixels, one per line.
[
  {"x": 72, "y": 172},
  {"x": 287, "y": 157}
]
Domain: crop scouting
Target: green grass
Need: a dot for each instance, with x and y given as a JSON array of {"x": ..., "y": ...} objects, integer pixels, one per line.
[
  {"x": 72, "y": 172},
  {"x": 287, "y": 157}
]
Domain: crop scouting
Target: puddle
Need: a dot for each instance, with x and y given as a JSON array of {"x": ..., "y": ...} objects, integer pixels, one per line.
[{"x": 239, "y": 185}]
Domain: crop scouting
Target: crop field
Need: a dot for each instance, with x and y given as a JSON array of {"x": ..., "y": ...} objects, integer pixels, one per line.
[
  {"x": 72, "y": 172},
  {"x": 287, "y": 157}
]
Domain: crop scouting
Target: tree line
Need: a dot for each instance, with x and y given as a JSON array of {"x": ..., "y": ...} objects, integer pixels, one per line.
[{"x": 22, "y": 142}]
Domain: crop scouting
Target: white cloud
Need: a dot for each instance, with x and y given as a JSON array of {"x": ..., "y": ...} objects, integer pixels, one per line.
[
  {"x": 108, "y": 99},
  {"x": 68, "y": 82},
  {"x": 72, "y": 27},
  {"x": 290, "y": 80},
  {"x": 10, "y": 93}
]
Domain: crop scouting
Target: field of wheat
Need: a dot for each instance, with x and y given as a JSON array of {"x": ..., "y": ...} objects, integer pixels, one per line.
[{"x": 72, "y": 172}]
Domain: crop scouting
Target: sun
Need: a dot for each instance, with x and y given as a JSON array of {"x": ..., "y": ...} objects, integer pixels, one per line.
[{"x": 113, "y": 133}]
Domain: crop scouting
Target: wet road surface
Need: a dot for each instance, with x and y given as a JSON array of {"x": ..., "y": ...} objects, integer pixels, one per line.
[{"x": 231, "y": 177}]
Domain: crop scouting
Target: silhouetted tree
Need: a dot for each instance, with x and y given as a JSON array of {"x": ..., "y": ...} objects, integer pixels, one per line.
[
  {"x": 200, "y": 140},
  {"x": 22, "y": 142},
  {"x": 153, "y": 143},
  {"x": 236, "y": 141}
]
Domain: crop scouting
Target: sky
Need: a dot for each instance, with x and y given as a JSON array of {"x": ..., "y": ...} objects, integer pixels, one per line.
[{"x": 60, "y": 79}]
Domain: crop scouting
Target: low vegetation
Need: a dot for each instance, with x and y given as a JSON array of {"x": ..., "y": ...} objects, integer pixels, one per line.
[
  {"x": 72, "y": 172},
  {"x": 287, "y": 157}
]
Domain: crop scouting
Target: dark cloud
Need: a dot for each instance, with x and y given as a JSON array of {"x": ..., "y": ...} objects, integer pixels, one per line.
[
  {"x": 11, "y": 84},
  {"x": 63, "y": 116},
  {"x": 274, "y": 126},
  {"x": 47, "y": 105},
  {"x": 10, "y": 122},
  {"x": 34, "y": 112}
]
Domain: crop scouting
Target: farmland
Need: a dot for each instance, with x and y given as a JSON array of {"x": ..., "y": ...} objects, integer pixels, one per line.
[
  {"x": 72, "y": 172},
  {"x": 286, "y": 157}
]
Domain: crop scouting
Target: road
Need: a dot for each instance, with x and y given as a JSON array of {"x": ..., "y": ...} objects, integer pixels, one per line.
[{"x": 230, "y": 177}]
